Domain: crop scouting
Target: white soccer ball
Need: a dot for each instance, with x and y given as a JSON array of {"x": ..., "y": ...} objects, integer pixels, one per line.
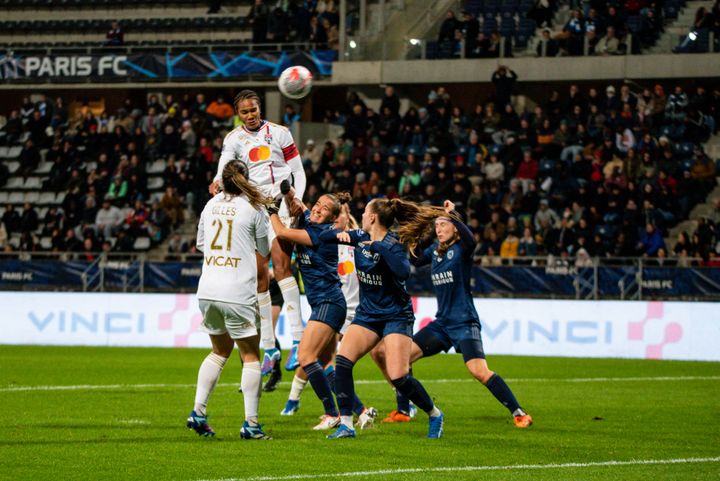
[{"x": 295, "y": 82}]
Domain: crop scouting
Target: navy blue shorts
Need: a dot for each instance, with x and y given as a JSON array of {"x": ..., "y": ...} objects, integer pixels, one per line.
[
  {"x": 464, "y": 337},
  {"x": 385, "y": 328},
  {"x": 330, "y": 313}
]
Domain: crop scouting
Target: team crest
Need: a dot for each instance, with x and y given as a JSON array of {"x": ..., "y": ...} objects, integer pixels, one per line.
[
  {"x": 268, "y": 138},
  {"x": 450, "y": 254}
]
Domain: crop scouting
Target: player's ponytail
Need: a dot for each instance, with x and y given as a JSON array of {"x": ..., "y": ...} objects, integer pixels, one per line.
[
  {"x": 234, "y": 179},
  {"x": 415, "y": 220},
  {"x": 339, "y": 199}
]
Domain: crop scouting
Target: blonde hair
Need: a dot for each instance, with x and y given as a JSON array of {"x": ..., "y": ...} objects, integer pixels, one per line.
[{"x": 415, "y": 221}]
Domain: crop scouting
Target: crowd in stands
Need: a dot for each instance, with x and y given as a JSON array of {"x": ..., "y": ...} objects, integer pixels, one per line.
[
  {"x": 598, "y": 172},
  {"x": 594, "y": 28},
  {"x": 602, "y": 172}
]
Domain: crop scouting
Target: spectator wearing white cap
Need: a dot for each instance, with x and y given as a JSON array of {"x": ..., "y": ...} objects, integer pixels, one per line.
[{"x": 312, "y": 156}]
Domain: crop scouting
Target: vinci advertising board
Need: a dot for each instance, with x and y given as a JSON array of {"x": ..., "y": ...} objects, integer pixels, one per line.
[{"x": 645, "y": 330}]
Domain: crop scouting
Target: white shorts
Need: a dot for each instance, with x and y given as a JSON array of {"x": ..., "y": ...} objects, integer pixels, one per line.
[
  {"x": 284, "y": 218},
  {"x": 238, "y": 320}
]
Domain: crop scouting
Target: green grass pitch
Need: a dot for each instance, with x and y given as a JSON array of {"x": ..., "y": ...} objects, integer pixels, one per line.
[{"x": 658, "y": 420}]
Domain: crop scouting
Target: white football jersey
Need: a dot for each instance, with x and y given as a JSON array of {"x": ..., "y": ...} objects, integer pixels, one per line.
[
  {"x": 229, "y": 232},
  {"x": 348, "y": 278},
  {"x": 266, "y": 152}
]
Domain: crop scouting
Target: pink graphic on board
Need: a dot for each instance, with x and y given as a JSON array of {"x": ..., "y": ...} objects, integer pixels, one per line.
[
  {"x": 165, "y": 321},
  {"x": 672, "y": 332}
]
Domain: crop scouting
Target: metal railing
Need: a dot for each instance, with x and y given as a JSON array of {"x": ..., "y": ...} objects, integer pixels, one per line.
[{"x": 546, "y": 276}]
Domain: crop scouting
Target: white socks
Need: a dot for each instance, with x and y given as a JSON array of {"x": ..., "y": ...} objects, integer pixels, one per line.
[
  {"x": 267, "y": 331},
  {"x": 347, "y": 421},
  {"x": 435, "y": 412},
  {"x": 251, "y": 383},
  {"x": 296, "y": 388},
  {"x": 208, "y": 376},
  {"x": 291, "y": 296}
]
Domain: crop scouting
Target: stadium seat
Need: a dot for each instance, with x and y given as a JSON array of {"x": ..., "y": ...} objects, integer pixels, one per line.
[
  {"x": 155, "y": 183},
  {"x": 32, "y": 183},
  {"x": 4, "y": 196},
  {"x": 31, "y": 197},
  {"x": 46, "y": 198},
  {"x": 547, "y": 166},
  {"x": 46, "y": 243},
  {"x": 16, "y": 198},
  {"x": 14, "y": 183}
]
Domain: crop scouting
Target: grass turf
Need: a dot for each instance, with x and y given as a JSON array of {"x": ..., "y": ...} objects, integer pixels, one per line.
[{"x": 139, "y": 433}]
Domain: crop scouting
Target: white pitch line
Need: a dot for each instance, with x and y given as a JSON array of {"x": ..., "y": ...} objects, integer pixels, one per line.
[
  {"x": 91, "y": 387},
  {"x": 637, "y": 462}
]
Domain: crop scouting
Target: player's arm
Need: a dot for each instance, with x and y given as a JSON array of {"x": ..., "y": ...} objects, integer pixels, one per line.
[
  {"x": 228, "y": 154},
  {"x": 262, "y": 243},
  {"x": 421, "y": 257},
  {"x": 298, "y": 236},
  {"x": 467, "y": 239},
  {"x": 394, "y": 256},
  {"x": 294, "y": 161},
  {"x": 335, "y": 236},
  {"x": 200, "y": 240}
]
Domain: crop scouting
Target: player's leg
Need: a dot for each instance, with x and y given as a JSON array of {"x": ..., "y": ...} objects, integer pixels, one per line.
[
  {"x": 249, "y": 348},
  {"x": 474, "y": 356},
  {"x": 277, "y": 304},
  {"x": 358, "y": 341},
  {"x": 296, "y": 388},
  {"x": 314, "y": 341},
  {"x": 398, "y": 347},
  {"x": 281, "y": 253},
  {"x": 208, "y": 375},
  {"x": 267, "y": 332},
  {"x": 366, "y": 415}
]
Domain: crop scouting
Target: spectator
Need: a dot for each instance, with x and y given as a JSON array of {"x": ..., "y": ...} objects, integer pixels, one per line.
[
  {"x": 290, "y": 117},
  {"x": 29, "y": 158},
  {"x": 220, "y": 112},
  {"x": 115, "y": 37},
  {"x": 448, "y": 27},
  {"x": 108, "y": 219},
  {"x": 547, "y": 46},
  {"x": 258, "y": 18},
  {"x": 173, "y": 206},
  {"x": 609, "y": 44},
  {"x": 545, "y": 216},
  {"x": 650, "y": 241}
]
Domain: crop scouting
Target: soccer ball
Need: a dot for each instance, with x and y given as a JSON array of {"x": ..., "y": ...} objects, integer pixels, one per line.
[{"x": 295, "y": 82}]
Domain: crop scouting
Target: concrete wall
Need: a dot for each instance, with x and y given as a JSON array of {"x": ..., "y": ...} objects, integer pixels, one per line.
[{"x": 528, "y": 69}]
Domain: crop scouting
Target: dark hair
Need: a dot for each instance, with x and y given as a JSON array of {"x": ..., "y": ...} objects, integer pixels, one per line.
[
  {"x": 235, "y": 182},
  {"x": 338, "y": 198},
  {"x": 245, "y": 95}
]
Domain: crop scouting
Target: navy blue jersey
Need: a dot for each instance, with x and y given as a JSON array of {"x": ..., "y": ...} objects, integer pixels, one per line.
[
  {"x": 382, "y": 269},
  {"x": 318, "y": 264},
  {"x": 451, "y": 274}
]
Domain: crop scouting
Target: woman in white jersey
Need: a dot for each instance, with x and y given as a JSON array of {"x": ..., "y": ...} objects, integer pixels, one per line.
[
  {"x": 270, "y": 155},
  {"x": 232, "y": 227}
]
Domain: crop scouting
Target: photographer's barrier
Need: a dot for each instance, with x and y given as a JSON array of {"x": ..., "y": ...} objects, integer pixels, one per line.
[{"x": 643, "y": 330}]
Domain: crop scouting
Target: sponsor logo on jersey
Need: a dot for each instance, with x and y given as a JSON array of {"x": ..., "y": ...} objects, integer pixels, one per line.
[{"x": 257, "y": 154}]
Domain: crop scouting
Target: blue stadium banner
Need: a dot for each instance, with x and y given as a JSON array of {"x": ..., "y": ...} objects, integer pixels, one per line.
[
  {"x": 143, "y": 67},
  {"x": 516, "y": 281}
]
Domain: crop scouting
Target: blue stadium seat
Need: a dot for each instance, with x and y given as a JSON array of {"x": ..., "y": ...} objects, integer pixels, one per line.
[
  {"x": 492, "y": 7},
  {"x": 521, "y": 40},
  {"x": 634, "y": 23},
  {"x": 685, "y": 149},
  {"x": 507, "y": 26},
  {"x": 510, "y": 7},
  {"x": 687, "y": 164},
  {"x": 475, "y": 7},
  {"x": 546, "y": 166}
]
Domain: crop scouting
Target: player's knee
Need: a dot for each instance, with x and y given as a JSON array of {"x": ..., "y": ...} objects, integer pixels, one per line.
[
  {"x": 481, "y": 372},
  {"x": 306, "y": 357},
  {"x": 378, "y": 355},
  {"x": 399, "y": 381}
]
